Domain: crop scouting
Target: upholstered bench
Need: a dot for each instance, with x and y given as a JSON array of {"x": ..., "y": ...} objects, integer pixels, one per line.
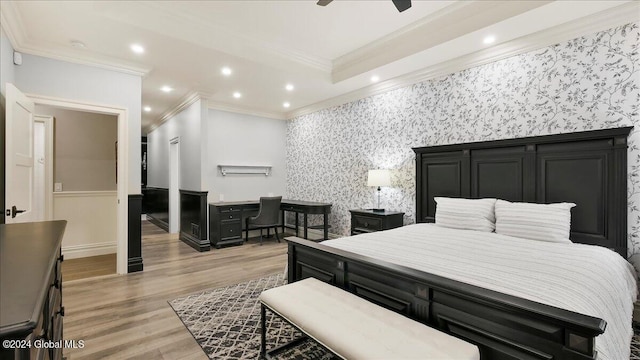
[{"x": 354, "y": 328}]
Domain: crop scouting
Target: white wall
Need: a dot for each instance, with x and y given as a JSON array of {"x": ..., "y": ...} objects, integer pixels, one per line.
[
  {"x": 91, "y": 217},
  {"x": 237, "y": 139},
  {"x": 186, "y": 125},
  {"x": 60, "y": 79}
]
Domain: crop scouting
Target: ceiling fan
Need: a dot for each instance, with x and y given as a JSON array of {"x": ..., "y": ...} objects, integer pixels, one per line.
[{"x": 401, "y": 5}]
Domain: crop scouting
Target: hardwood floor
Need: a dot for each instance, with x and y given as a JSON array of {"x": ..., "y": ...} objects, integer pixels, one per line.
[
  {"x": 128, "y": 317},
  {"x": 82, "y": 268}
]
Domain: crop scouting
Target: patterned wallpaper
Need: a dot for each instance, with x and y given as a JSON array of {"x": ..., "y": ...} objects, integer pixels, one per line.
[{"x": 588, "y": 83}]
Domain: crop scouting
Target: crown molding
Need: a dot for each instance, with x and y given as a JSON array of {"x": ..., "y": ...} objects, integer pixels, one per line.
[
  {"x": 192, "y": 97},
  {"x": 240, "y": 110},
  {"x": 82, "y": 59},
  {"x": 624, "y": 14},
  {"x": 184, "y": 103},
  {"x": 11, "y": 22},
  {"x": 440, "y": 27},
  {"x": 365, "y": 51}
]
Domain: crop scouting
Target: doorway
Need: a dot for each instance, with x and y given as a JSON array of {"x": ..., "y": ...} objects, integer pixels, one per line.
[
  {"x": 122, "y": 161},
  {"x": 85, "y": 190},
  {"x": 174, "y": 185}
]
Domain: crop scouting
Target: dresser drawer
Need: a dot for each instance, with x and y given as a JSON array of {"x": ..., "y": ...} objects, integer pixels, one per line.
[
  {"x": 55, "y": 306},
  {"x": 230, "y": 230},
  {"x": 365, "y": 221},
  {"x": 230, "y": 215},
  {"x": 229, "y": 208},
  {"x": 366, "y": 224}
]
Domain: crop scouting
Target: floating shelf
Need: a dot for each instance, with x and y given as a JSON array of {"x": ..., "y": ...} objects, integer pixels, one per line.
[{"x": 245, "y": 169}]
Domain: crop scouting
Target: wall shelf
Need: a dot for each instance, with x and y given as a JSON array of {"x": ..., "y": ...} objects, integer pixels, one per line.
[{"x": 245, "y": 169}]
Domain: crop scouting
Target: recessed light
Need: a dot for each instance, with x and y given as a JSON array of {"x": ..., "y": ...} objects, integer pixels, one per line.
[
  {"x": 286, "y": 104},
  {"x": 237, "y": 95},
  {"x": 137, "y": 48},
  {"x": 166, "y": 88},
  {"x": 489, "y": 39},
  {"x": 147, "y": 108},
  {"x": 375, "y": 78},
  {"x": 289, "y": 87},
  {"x": 226, "y": 71},
  {"x": 78, "y": 44}
]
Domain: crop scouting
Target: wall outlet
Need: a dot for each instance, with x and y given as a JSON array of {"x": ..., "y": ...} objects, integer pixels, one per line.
[
  {"x": 270, "y": 194},
  {"x": 57, "y": 187}
]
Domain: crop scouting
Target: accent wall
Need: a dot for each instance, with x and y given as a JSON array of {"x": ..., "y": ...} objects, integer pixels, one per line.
[{"x": 591, "y": 82}]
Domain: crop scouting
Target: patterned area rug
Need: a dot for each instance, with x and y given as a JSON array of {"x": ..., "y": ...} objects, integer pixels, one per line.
[{"x": 226, "y": 323}]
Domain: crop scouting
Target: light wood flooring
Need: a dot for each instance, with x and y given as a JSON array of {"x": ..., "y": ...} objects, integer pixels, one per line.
[
  {"x": 128, "y": 317},
  {"x": 82, "y": 268}
]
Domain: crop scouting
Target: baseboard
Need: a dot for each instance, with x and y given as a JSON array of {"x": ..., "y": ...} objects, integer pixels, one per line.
[
  {"x": 198, "y": 244},
  {"x": 134, "y": 264},
  {"x": 81, "y": 251},
  {"x": 159, "y": 223}
]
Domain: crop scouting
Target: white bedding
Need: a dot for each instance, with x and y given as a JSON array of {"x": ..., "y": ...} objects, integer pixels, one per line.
[{"x": 586, "y": 279}]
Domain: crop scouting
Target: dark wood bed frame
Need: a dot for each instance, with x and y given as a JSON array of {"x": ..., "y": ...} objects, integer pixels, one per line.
[{"x": 587, "y": 168}]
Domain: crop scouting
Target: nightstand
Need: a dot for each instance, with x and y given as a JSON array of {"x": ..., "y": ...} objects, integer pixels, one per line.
[{"x": 366, "y": 221}]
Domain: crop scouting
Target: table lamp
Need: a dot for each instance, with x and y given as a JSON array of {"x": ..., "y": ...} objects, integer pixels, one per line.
[{"x": 379, "y": 178}]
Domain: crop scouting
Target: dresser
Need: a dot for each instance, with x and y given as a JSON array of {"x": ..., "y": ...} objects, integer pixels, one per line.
[
  {"x": 31, "y": 307},
  {"x": 366, "y": 221}
]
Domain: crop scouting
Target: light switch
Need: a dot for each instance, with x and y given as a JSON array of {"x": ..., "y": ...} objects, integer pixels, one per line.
[
  {"x": 221, "y": 197},
  {"x": 57, "y": 187}
]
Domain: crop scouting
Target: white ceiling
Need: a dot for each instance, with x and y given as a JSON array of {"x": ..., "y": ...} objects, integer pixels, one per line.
[{"x": 328, "y": 53}]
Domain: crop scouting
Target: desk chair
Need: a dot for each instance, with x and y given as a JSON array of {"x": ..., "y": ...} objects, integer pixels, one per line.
[{"x": 268, "y": 217}]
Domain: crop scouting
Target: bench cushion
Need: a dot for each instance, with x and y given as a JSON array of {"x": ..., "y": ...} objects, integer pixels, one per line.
[{"x": 355, "y": 328}]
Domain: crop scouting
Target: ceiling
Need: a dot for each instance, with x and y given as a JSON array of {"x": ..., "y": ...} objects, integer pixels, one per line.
[{"x": 329, "y": 54}]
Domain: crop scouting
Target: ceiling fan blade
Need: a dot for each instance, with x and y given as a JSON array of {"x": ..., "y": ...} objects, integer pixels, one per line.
[
  {"x": 401, "y": 5},
  {"x": 323, "y": 2}
]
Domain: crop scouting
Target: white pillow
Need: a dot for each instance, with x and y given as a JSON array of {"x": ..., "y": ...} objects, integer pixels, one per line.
[
  {"x": 546, "y": 222},
  {"x": 468, "y": 214}
]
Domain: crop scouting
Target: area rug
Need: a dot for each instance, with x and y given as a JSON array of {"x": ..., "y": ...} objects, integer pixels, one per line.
[{"x": 226, "y": 323}]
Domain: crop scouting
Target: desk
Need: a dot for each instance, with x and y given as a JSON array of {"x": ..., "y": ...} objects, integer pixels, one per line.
[{"x": 227, "y": 219}]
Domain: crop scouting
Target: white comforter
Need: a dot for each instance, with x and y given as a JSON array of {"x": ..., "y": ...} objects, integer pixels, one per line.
[{"x": 586, "y": 279}]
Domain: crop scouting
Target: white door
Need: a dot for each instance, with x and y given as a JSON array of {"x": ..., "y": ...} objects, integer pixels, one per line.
[
  {"x": 19, "y": 173},
  {"x": 174, "y": 186}
]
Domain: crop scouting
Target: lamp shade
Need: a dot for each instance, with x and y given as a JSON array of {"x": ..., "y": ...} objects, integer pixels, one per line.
[{"x": 379, "y": 178}]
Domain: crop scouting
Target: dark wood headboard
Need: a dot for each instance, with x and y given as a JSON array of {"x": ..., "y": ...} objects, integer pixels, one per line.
[{"x": 587, "y": 168}]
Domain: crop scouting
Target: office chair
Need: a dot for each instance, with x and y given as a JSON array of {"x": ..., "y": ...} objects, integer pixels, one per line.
[{"x": 268, "y": 217}]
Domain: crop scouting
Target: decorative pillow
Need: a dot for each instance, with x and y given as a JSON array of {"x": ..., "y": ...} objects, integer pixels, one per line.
[
  {"x": 546, "y": 222},
  {"x": 467, "y": 214}
]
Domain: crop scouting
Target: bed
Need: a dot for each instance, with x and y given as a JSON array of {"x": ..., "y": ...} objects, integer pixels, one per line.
[{"x": 586, "y": 168}]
